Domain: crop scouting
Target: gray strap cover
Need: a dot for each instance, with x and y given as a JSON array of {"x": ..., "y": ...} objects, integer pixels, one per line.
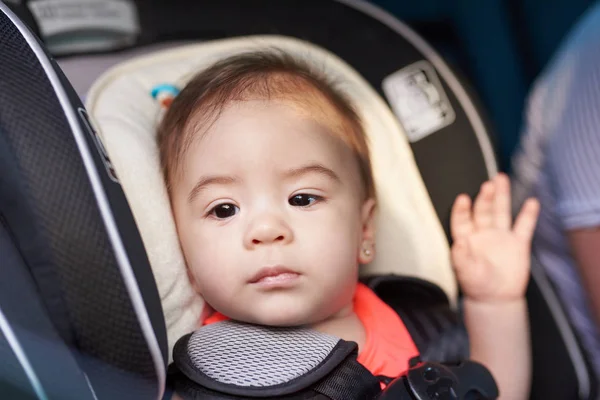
[{"x": 251, "y": 360}]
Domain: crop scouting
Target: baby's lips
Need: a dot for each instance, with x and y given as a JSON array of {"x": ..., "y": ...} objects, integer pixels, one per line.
[{"x": 267, "y": 272}]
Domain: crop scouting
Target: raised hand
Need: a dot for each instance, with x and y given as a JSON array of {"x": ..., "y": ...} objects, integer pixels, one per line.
[{"x": 491, "y": 255}]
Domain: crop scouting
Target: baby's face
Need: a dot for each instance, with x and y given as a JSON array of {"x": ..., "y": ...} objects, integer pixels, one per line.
[{"x": 270, "y": 216}]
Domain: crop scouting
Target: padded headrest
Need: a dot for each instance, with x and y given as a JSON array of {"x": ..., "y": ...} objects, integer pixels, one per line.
[{"x": 410, "y": 239}]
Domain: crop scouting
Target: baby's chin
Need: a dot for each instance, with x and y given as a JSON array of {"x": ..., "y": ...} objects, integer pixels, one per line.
[
  {"x": 277, "y": 317},
  {"x": 283, "y": 320},
  {"x": 276, "y": 320}
]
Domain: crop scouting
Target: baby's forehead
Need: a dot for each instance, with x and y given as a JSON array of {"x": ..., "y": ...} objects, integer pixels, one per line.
[
  {"x": 312, "y": 107},
  {"x": 271, "y": 122},
  {"x": 309, "y": 101},
  {"x": 253, "y": 146}
]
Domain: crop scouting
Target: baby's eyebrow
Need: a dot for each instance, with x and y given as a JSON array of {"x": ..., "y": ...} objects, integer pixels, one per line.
[
  {"x": 312, "y": 168},
  {"x": 205, "y": 181}
]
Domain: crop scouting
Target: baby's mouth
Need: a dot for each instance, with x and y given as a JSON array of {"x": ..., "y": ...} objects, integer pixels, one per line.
[{"x": 274, "y": 275}]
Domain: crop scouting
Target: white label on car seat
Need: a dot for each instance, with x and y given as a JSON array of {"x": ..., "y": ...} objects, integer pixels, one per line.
[
  {"x": 418, "y": 99},
  {"x": 85, "y": 25}
]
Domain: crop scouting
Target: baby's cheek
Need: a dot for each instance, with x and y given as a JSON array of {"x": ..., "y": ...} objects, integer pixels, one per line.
[
  {"x": 215, "y": 289},
  {"x": 339, "y": 230},
  {"x": 206, "y": 259},
  {"x": 333, "y": 244}
]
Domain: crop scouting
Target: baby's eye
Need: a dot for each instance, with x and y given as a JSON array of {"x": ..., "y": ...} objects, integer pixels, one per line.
[
  {"x": 223, "y": 211},
  {"x": 303, "y": 200}
]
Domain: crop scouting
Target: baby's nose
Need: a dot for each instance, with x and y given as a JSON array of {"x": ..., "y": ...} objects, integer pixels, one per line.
[{"x": 268, "y": 230}]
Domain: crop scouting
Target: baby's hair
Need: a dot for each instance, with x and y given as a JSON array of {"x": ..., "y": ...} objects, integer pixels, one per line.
[{"x": 259, "y": 75}]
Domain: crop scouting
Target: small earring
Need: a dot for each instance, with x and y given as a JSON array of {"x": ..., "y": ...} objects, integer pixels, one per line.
[{"x": 367, "y": 252}]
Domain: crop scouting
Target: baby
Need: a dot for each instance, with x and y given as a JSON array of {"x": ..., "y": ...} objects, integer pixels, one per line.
[{"x": 268, "y": 172}]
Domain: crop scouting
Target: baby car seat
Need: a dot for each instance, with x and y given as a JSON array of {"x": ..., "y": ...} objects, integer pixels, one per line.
[{"x": 83, "y": 301}]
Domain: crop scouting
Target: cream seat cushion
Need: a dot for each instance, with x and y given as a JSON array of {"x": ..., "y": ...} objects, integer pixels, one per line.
[{"x": 410, "y": 240}]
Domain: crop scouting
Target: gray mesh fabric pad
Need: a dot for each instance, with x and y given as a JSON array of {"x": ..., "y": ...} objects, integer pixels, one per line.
[
  {"x": 250, "y": 355},
  {"x": 236, "y": 359}
]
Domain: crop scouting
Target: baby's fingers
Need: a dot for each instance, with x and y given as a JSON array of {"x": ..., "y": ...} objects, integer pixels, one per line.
[
  {"x": 461, "y": 220},
  {"x": 484, "y": 206},
  {"x": 502, "y": 211},
  {"x": 527, "y": 219}
]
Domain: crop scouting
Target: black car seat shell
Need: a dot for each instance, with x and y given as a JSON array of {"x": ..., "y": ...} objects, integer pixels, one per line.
[{"x": 77, "y": 287}]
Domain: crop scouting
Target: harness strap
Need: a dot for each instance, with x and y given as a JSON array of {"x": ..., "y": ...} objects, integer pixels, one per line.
[{"x": 335, "y": 386}]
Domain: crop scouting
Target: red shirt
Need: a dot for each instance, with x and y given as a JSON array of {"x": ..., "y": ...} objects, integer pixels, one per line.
[{"x": 388, "y": 346}]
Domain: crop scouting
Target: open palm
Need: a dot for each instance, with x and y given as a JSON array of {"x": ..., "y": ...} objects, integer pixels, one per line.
[{"x": 491, "y": 255}]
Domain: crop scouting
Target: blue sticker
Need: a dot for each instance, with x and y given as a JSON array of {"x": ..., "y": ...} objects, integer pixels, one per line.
[{"x": 164, "y": 88}]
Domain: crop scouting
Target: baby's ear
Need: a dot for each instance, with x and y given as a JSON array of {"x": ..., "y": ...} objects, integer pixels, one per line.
[
  {"x": 368, "y": 210},
  {"x": 367, "y": 247}
]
